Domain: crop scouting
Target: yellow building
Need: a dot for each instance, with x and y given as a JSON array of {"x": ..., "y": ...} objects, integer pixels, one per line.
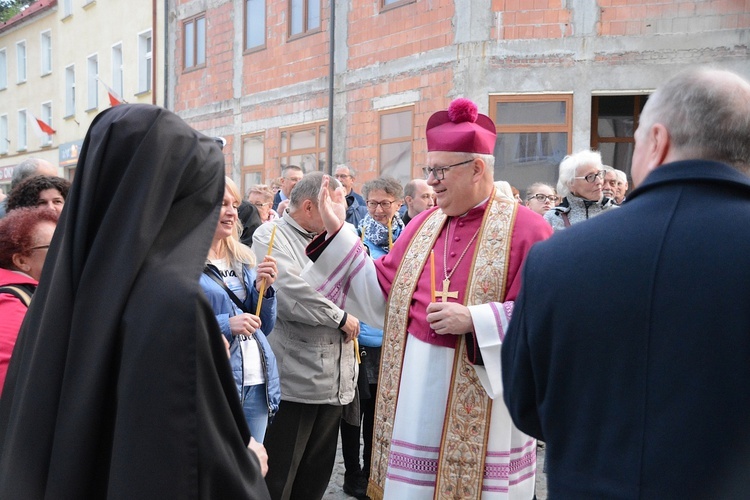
[{"x": 60, "y": 60}]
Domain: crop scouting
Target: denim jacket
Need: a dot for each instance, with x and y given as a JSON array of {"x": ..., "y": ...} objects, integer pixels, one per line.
[{"x": 225, "y": 308}]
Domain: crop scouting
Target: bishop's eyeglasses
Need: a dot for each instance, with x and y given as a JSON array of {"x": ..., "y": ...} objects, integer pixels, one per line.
[{"x": 439, "y": 172}]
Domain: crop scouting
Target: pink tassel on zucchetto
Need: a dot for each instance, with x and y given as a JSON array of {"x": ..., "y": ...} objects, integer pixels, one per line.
[{"x": 462, "y": 110}]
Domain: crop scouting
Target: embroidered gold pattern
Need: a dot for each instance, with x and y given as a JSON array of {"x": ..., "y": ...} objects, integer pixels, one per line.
[{"x": 466, "y": 427}]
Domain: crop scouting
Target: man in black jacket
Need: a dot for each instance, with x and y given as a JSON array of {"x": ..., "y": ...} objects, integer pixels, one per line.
[{"x": 655, "y": 404}]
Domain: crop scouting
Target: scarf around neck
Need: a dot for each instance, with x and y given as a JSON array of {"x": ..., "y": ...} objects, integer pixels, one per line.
[{"x": 377, "y": 233}]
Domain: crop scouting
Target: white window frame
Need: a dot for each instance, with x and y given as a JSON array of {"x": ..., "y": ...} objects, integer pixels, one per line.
[
  {"x": 3, "y": 69},
  {"x": 46, "y": 117},
  {"x": 70, "y": 90},
  {"x": 67, "y": 8},
  {"x": 117, "y": 69},
  {"x": 92, "y": 82},
  {"x": 23, "y": 127},
  {"x": 4, "y": 134},
  {"x": 21, "y": 61},
  {"x": 145, "y": 53},
  {"x": 45, "y": 42}
]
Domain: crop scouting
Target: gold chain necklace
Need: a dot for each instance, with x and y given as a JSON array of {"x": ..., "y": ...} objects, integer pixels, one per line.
[{"x": 445, "y": 293}]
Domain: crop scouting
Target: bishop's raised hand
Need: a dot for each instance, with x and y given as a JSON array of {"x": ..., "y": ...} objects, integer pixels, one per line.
[{"x": 332, "y": 206}]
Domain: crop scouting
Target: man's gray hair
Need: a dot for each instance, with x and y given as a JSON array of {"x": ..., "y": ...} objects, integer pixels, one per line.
[
  {"x": 352, "y": 173},
  {"x": 621, "y": 176},
  {"x": 287, "y": 168},
  {"x": 707, "y": 114},
  {"x": 308, "y": 188},
  {"x": 24, "y": 170},
  {"x": 570, "y": 164},
  {"x": 388, "y": 184}
]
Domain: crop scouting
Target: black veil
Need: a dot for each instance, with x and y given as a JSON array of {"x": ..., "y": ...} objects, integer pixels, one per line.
[{"x": 119, "y": 384}]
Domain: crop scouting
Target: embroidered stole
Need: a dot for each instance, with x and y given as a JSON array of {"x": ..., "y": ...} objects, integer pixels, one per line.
[{"x": 466, "y": 425}]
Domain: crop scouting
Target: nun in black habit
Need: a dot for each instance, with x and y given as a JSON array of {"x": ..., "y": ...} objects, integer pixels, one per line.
[{"x": 120, "y": 386}]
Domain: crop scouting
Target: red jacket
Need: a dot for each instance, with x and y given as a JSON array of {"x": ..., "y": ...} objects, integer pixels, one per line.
[{"x": 12, "y": 312}]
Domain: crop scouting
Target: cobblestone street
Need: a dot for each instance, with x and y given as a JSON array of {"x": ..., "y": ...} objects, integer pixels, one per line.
[{"x": 335, "y": 486}]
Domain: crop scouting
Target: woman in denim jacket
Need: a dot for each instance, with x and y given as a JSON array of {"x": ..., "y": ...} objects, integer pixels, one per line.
[{"x": 231, "y": 282}]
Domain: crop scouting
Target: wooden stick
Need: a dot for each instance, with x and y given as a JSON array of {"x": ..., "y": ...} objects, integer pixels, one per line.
[
  {"x": 390, "y": 236},
  {"x": 356, "y": 351},
  {"x": 263, "y": 283}
]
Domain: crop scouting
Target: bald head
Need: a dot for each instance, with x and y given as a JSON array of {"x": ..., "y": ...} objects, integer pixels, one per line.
[
  {"x": 31, "y": 167},
  {"x": 418, "y": 196},
  {"x": 701, "y": 113}
]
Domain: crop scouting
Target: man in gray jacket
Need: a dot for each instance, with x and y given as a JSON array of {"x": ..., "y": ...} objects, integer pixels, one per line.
[{"x": 313, "y": 344}]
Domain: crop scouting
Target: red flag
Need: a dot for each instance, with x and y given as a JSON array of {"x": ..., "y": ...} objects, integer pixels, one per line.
[
  {"x": 40, "y": 126},
  {"x": 114, "y": 97}
]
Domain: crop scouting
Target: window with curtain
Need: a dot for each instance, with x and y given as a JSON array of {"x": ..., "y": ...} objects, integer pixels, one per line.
[
  {"x": 305, "y": 147},
  {"x": 614, "y": 119},
  {"x": 534, "y": 135},
  {"x": 395, "y": 137},
  {"x": 253, "y": 161}
]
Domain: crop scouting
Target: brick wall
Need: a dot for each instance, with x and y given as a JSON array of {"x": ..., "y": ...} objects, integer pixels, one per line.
[{"x": 376, "y": 36}]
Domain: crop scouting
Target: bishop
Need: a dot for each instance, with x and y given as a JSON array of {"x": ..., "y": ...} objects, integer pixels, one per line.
[{"x": 442, "y": 429}]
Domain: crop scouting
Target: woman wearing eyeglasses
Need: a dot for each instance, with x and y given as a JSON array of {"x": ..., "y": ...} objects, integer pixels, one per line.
[
  {"x": 262, "y": 197},
  {"x": 540, "y": 197},
  {"x": 580, "y": 182},
  {"x": 25, "y": 234},
  {"x": 379, "y": 229}
]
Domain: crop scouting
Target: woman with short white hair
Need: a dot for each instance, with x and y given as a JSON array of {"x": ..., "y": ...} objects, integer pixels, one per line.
[{"x": 580, "y": 182}]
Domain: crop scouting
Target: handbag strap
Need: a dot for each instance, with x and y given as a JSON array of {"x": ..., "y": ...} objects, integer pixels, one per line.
[
  {"x": 565, "y": 218},
  {"x": 212, "y": 272},
  {"x": 21, "y": 292}
]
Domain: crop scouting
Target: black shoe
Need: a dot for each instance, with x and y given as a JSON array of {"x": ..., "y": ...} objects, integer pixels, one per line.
[{"x": 356, "y": 485}]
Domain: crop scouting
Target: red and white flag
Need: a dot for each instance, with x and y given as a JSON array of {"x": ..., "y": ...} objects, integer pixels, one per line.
[
  {"x": 114, "y": 97},
  {"x": 40, "y": 126}
]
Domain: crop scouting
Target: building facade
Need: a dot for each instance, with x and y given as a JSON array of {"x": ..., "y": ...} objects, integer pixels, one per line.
[
  {"x": 60, "y": 60},
  {"x": 557, "y": 76}
]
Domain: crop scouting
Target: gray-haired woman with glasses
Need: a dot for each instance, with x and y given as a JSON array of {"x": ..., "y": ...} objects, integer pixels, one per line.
[{"x": 580, "y": 183}]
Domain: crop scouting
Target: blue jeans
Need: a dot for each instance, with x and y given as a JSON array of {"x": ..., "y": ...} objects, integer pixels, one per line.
[{"x": 255, "y": 406}]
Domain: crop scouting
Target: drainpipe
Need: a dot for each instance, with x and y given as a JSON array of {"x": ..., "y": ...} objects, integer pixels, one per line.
[{"x": 331, "y": 74}]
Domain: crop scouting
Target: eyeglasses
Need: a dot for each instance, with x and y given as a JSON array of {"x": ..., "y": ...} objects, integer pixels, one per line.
[
  {"x": 543, "y": 197},
  {"x": 439, "y": 172},
  {"x": 40, "y": 247},
  {"x": 374, "y": 204},
  {"x": 592, "y": 176},
  {"x": 261, "y": 205}
]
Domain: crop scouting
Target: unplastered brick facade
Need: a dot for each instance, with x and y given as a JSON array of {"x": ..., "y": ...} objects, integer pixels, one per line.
[{"x": 596, "y": 57}]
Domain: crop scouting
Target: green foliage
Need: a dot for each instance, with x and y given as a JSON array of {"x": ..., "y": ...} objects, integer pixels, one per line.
[{"x": 9, "y": 8}]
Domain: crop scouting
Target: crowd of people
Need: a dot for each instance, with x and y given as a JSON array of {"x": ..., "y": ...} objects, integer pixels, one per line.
[{"x": 165, "y": 335}]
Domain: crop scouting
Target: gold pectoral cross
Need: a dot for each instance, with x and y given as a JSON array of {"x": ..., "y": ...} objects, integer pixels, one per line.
[{"x": 445, "y": 294}]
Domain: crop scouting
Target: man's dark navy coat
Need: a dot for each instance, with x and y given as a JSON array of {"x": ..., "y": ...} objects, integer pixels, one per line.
[{"x": 629, "y": 347}]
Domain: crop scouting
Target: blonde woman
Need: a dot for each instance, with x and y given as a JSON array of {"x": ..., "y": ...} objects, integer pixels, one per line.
[{"x": 232, "y": 283}]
